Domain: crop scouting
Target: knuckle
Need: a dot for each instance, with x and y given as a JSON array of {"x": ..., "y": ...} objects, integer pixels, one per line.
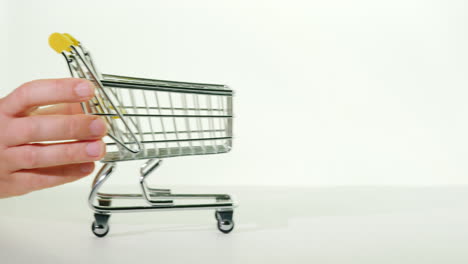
[
  {"x": 29, "y": 129},
  {"x": 56, "y": 84},
  {"x": 4, "y": 133},
  {"x": 22, "y": 93},
  {"x": 72, "y": 126},
  {"x": 30, "y": 158},
  {"x": 69, "y": 152},
  {"x": 4, "y": 164}
]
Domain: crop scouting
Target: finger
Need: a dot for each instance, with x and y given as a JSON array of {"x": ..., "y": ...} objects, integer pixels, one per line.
[
  {"x": 25, "y": 130},
  {"x": 45, "y": 92},
  {"x": 75, "y": 170},
  {"x": 60, "y": 109},
  {"x": 25, "y": 181},
  {"x": 50, "y": 155}
]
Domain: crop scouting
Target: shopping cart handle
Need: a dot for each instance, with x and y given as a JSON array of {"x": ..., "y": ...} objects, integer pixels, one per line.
[
  {"x": 74, "y": 40},
  {"x": 60, "y": 42}
]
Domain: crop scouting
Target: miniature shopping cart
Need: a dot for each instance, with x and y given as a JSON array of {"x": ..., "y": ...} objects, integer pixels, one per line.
[{"x": 149, "y": 120}]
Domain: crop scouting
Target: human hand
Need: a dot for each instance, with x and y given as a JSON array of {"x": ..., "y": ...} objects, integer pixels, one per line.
[{"x": 26, "y": 164}]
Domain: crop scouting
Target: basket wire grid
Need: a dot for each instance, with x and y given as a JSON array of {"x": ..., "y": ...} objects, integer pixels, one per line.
[{"x": 171, "y": 120}]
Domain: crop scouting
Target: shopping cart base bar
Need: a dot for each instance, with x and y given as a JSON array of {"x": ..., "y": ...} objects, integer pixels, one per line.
[{"x": 157, "y": 199}]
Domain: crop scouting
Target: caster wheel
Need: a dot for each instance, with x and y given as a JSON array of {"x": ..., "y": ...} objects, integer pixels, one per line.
[
  {"x": 99, "y": 230},
  {"x": 226, "y": 226},
  {"x": 100, "y": 226},
  {"x": 225, "y": 222}
]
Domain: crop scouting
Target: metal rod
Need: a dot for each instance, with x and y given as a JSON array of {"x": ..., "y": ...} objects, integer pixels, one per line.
[
  {"x": 179, "y": 140},
  {"x": 170, "y": 116},
  {"x": 168, "y": 88}
]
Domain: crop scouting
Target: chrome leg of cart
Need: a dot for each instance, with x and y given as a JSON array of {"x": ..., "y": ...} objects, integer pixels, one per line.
[{"x": 157, "y": 199}]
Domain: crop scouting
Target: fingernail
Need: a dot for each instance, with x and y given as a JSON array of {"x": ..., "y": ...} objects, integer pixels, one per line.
[
  {"x": 94, "y": 149},
  {"x": 97, "y": 127},
  {"x": 86, "y": 167},
  {"x": 84, "y": 90}
]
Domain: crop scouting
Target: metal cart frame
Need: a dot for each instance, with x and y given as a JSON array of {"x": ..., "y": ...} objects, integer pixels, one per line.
[{"x": 141, "y": 130}]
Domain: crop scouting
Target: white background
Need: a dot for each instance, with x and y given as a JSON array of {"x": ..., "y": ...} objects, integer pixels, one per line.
[{"x": 328, "y": 92}]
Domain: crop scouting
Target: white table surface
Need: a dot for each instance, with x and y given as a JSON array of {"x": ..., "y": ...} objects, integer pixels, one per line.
[{"x": 273, "y": 225}]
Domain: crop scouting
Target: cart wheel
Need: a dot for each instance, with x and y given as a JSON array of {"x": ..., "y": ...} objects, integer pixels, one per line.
[
  {"x": 99, "y": 230},
  {"x": 226, "y": 226},
  {"x": 225, "y": 222},
  {"x": 100, "y": 226}
]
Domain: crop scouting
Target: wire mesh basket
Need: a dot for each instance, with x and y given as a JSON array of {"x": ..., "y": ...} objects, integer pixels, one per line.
[
  {"x": 151, "y": 119},
  {"x": 171, "y": 119}
]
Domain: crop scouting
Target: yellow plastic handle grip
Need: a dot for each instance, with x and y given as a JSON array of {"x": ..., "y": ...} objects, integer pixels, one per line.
[
  {"x": 74, "y": 40},
  {"x": 60, "y": 42}
]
